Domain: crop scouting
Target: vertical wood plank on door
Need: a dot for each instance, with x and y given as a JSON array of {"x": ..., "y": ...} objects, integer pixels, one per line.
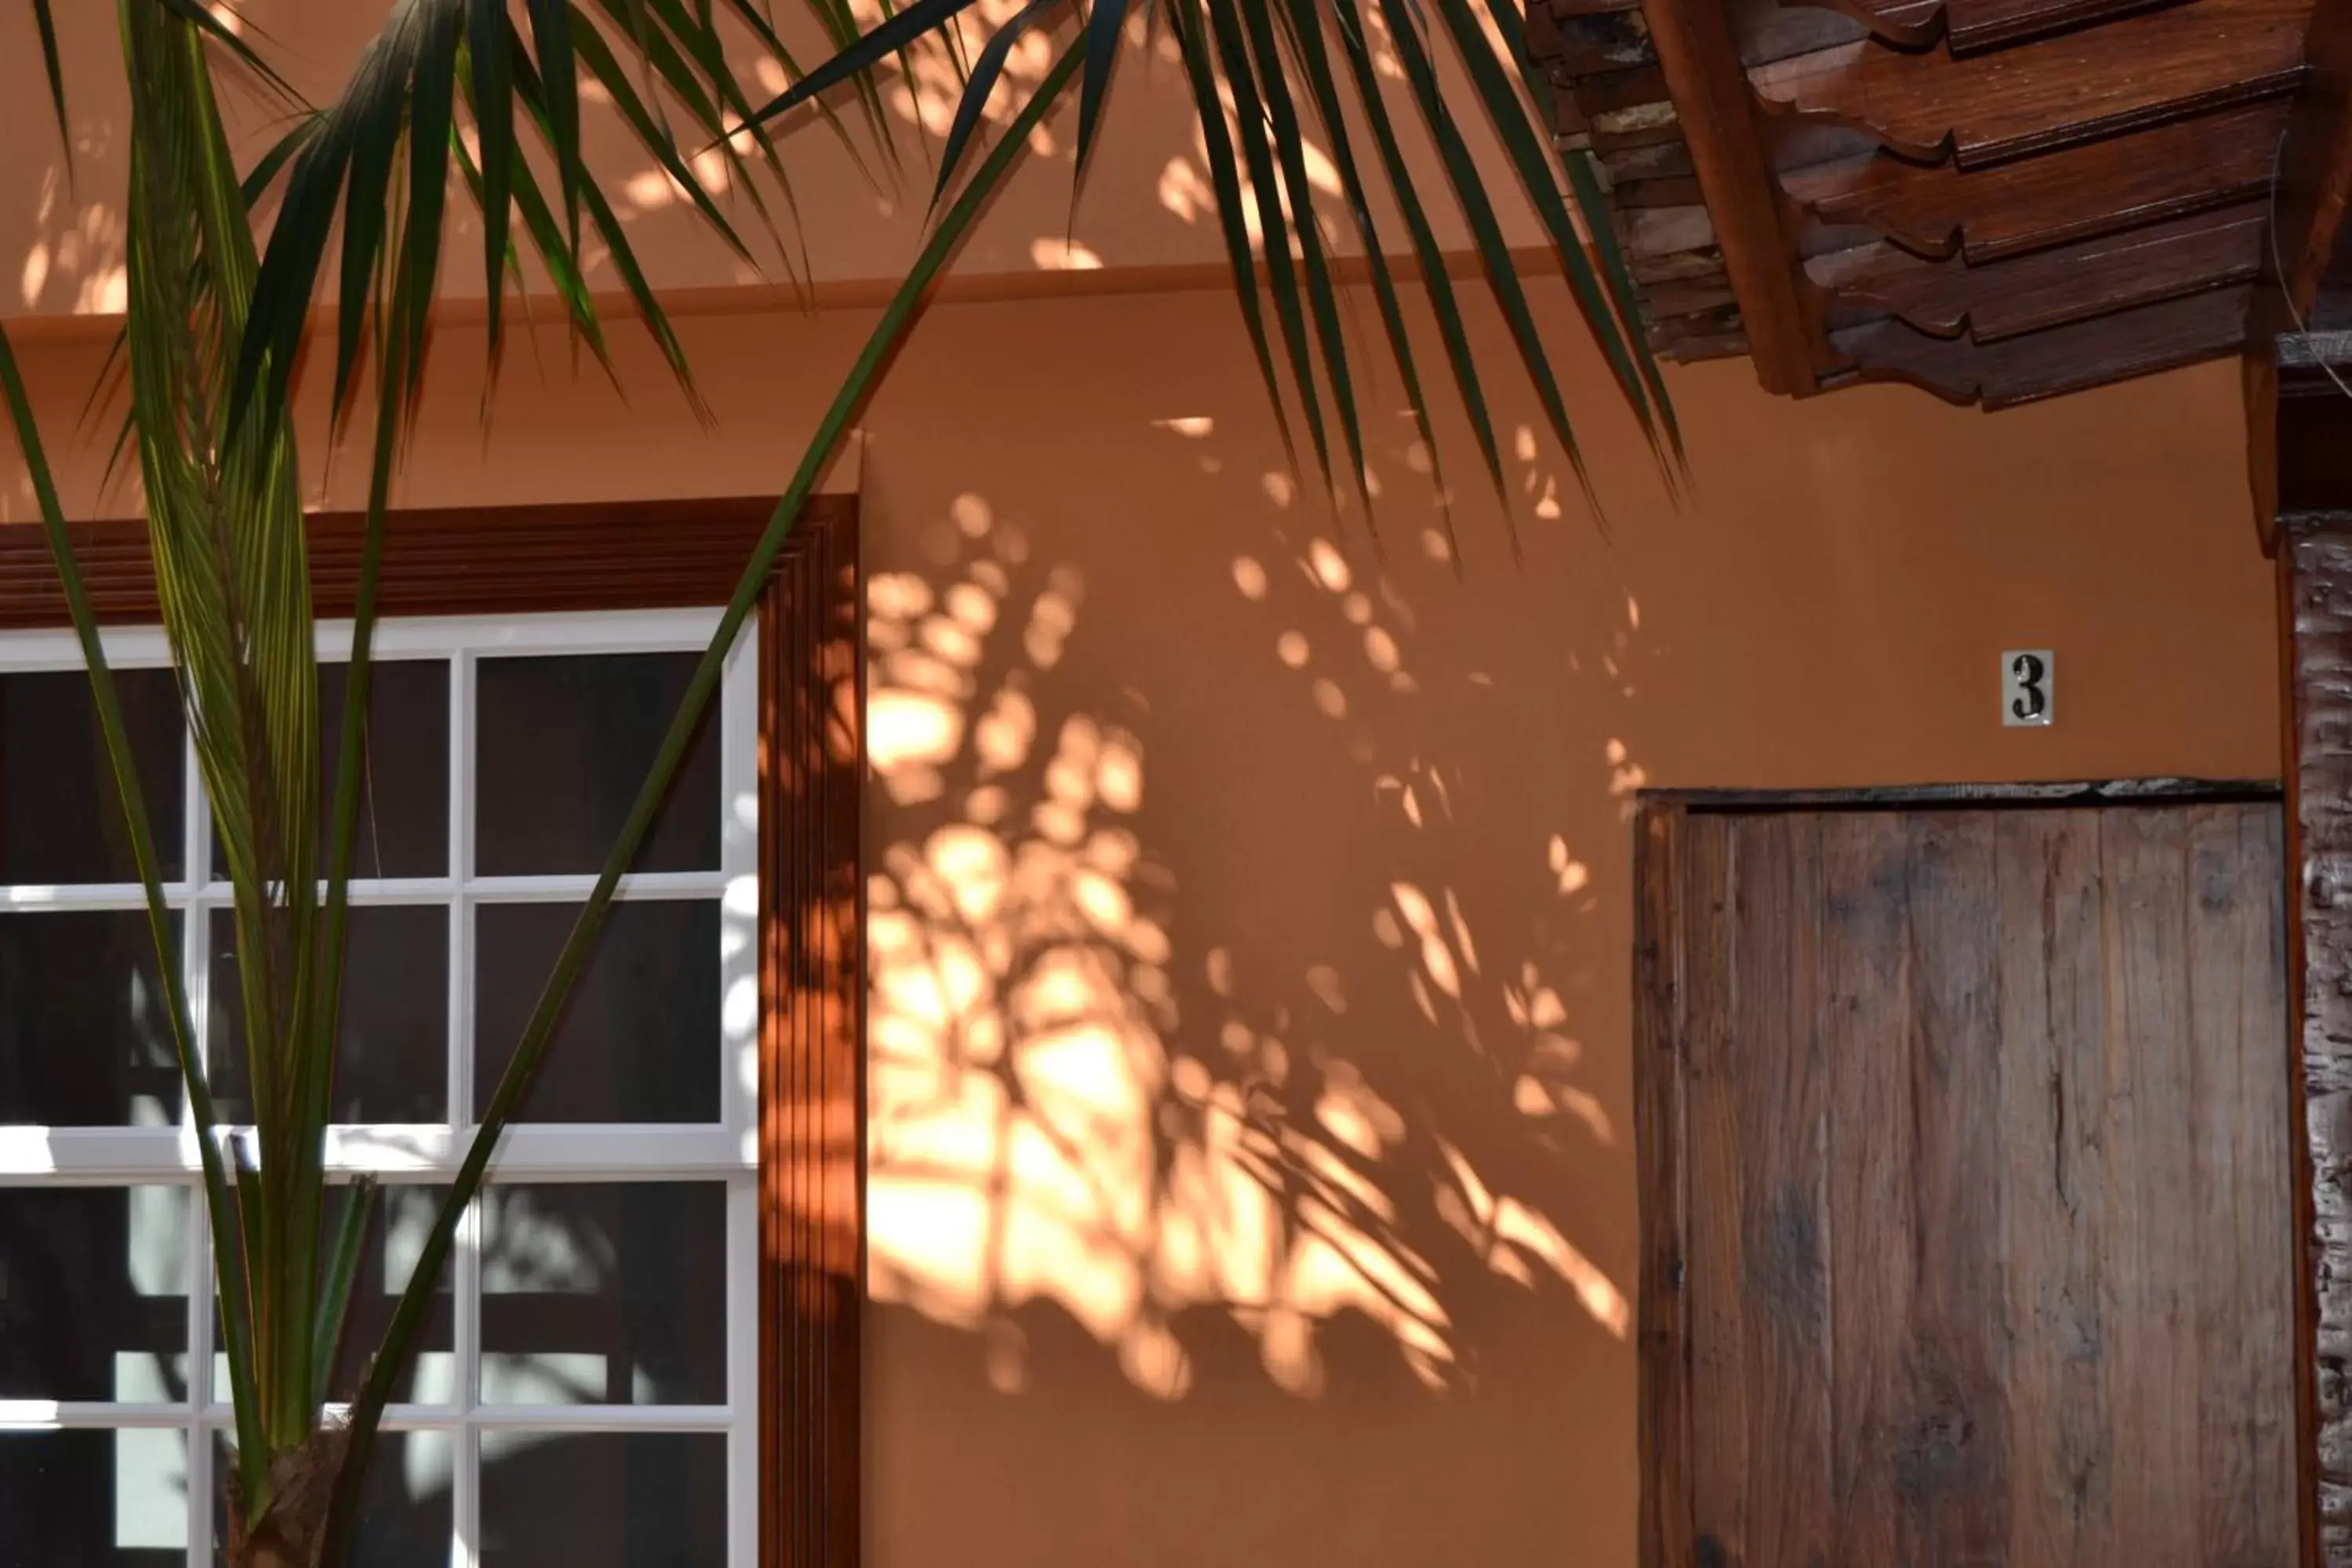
[
  {"x": 1952, "y": 1455},
  {"x": 2152, "y": 1236},
  {"x": 2236, "y": 967},
  {"x": 1717, "y": 1349},
  {"x": 1865, "y": 1041},
  {"x": 2053, "y": 1096},
  {"x": 1659, "y": 1140},
  {"x": 1779, "y": 1090}
]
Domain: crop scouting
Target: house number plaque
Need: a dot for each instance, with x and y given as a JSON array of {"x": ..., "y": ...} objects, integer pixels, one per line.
[{"x": 2028, "y": 687}]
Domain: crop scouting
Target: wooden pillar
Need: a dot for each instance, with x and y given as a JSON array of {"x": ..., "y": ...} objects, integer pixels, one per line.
[{"x": 2302, "y": 437}]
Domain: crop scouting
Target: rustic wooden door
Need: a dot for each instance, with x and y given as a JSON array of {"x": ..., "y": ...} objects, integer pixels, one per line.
[{"x": 1967, "y": 1235}]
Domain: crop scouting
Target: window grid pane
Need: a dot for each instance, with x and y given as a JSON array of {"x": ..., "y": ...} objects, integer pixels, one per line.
[{"x": 630, "y": 1434}]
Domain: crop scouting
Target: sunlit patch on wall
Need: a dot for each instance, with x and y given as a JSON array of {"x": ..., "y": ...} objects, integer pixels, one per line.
[{"x": 1072, "y": 1110}]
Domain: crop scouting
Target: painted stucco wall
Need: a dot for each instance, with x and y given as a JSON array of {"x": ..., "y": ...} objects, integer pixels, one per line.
[
  {"x": 1146, "y": 206},
  {"x": 1252, "y": 1179}
]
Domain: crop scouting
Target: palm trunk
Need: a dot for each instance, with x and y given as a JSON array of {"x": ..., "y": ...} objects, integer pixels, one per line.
[{"x": 291, "y": 1531}]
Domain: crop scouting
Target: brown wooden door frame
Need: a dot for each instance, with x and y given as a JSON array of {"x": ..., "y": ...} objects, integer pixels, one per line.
[{"x": 1666, "y": 1527}]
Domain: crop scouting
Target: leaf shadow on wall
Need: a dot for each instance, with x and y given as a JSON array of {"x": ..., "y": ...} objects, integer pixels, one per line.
[{"x": 1148, "y": 1131}]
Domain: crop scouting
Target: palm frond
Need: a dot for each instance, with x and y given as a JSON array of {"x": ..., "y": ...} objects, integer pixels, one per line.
[
  {"x": 224, "y": 530},
  {"x": 45, "y": 24},
  {"x": 1305, "y": 31},
  {"x": 650, "y": 60},
  {"x": 530, "y": 1054},
  {"x": 1266, "y": 58},
  {"x": 987, "y": 68},
  {"x": 1291, "y": 160},
  {"x": 229, "y": 1257}
]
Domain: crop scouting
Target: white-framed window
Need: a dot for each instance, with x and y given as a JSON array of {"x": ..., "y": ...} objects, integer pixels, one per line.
[{"x": 587, "y": 1389}]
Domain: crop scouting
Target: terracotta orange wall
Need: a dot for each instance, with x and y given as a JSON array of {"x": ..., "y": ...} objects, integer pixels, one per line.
[
  {"x": 1252, "y": 1180},
  {"x": 1145, "y": 201}
]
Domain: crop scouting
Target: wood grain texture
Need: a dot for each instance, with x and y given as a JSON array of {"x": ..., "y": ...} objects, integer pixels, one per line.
[
  {"x": 1667, "y": 193},
  {"x": 1938, "y": 208},
  {"x": 1782, "y": 1114},
  {"x": 1716, "y": 112},
  {"x": 1866, "y": 1026},
  {"x": 1953, "y": 1455},
  {"x": 2241, "y": 1129},
  {"x": 2060, "y": 360},
  {"x": 2150, "y": 1239},
  {"x": 2316, "y": 578},
  {"x": 2009, "y": 1087},
  {"x": 2298, "y": 421},
  {"x": 2078, "y": 87},
  {"x": 812, "y": 1058},
  {"x": 2054, "y": 1017},
  {"x": 1716, "y": 1423},
  {"x": 1998, "y": 299},
  {"x": 1664, "y": 1435},
  {"x": 2316, "y": 171},
  {"x": 1973, "y": 26},
  {"x": 615, "y": 555}
]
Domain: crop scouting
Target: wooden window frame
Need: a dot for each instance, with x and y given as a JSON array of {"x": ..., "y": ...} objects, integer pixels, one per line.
[{"x": 685, "y": 554}]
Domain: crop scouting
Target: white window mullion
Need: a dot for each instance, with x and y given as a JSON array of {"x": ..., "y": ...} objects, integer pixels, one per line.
[
  {"x": 466, "y": 1486},
  {"x": 196, "y": 986},
  {"x": 80, "y": 1415},
  {"x": 95, "y": 1156},
  {"x": 466, "y": 1293},
  {"x": 743, "y": 1370},
  {"x": 461, "y": 908}
]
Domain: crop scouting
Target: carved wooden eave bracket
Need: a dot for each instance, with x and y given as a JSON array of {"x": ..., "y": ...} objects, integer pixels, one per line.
[{"x": 1999, "y": 200}]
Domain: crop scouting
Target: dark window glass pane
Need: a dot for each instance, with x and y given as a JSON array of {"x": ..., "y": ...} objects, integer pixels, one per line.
[
  {"x": 638, "y": 1040},
  {"x": 403, "y": 1214},
  {"x": 85, "y": 1035},
  {"x": 94, "y": 1293},
  {"x": 393, "y": 1064},
  {"x": 606, "y": 1499},
  {"x": 61, "y": 818},
  {"x": 403, "y": 825},
  {"x": 598, "y": 1294},
  {"x": 565, "y": 745},
  {"x": 406, "y": 1519},
  {"x": 111, "y": 1500}
]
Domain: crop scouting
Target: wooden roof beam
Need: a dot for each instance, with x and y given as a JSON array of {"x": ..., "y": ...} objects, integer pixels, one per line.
[
  {"x": 2102, "y": 81},
  {"x": 1718, "y": 111},
  {"x": 2298, "y": 362},
  {"x": 2188, "y": 166},
  {"x": 2094, "y": 278}
]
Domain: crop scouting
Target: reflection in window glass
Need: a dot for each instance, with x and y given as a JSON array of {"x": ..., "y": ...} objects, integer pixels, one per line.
[
  {"x": 94, "y": 1293},
  {"x": 565, "y": 743},
  {"x": 569, "y": 1402},
  {"x": 604, "y": 1499},
  {"x": 638, "y": 1041},
  {"x": 85, "y": 1032},
  {"x": 392, "y": 1062},
  {"x": 396, "y": 1238},
  {"x": 105, "y": 1499},
  {"x": 404, "y": 822},
  {"x": 60, "y": 818},
  {"x": 597, "y": 1293}
]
